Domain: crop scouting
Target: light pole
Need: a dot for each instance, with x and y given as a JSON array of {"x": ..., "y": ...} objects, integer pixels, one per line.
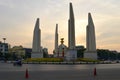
[{"x": 4, "y": 39}]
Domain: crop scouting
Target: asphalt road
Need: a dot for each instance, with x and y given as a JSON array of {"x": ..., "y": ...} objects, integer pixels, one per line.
[{"x": 60, "y": 72}]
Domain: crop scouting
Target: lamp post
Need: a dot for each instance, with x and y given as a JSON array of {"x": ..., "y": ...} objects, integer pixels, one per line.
[{"x": 4, "y": 39}]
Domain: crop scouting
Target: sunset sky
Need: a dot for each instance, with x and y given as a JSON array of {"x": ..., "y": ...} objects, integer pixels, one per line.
[{"x": 18, "y": 17}]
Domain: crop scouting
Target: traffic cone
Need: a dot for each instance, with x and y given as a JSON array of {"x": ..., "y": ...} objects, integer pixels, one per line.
[
  {"x": 26, "y": 74},
  {"x": 95, "y": 73}
]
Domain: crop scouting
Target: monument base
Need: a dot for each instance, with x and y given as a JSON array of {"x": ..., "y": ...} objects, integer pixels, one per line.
[
  {"x": 91, "y": 55},
  {"x": 36, "y": 55},
  {"x": 71, "y": 55}
]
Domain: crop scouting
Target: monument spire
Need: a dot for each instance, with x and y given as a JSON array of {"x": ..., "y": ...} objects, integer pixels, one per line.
[
  {"x": 36, "y": 46},
  {"x": 90, "y": 40},
  {"x": 56, "y": 41},
  {"x": 71, "y": 52},
  {"x": 71, "y": 29},
  {"x": 71, "y": 13}
]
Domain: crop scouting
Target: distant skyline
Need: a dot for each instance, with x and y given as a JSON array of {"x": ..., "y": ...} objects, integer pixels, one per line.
[{"x": 18, "y": 17}]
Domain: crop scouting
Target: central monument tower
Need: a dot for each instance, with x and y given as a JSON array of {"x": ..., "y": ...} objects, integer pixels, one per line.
[
  {"x": 71, "y": 29},
  {"x": 71, "y": 52}
]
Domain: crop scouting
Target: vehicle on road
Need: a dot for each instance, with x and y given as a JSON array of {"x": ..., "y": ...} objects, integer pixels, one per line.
[{"x": 17, "y": 63}]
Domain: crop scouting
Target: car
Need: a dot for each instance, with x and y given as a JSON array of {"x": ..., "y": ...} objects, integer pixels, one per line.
[{"x": 17, "y": 63}]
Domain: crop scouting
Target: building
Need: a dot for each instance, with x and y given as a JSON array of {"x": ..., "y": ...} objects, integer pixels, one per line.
[
  {"x": 45, "y": 53},
  {"x": 4, "y": 48},
  {"x": 79, "y": 47},
  {"x": 28, "y": 52},
  {"x": 80, "y": 51},
  {"x": 17, "y": 51}
]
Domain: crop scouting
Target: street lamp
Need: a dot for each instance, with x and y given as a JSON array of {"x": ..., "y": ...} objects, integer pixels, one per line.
[{"x": 4, "y": 39}]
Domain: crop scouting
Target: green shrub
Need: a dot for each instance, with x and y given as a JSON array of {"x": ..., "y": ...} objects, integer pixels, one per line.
[
  {"x": 87, "y": 60},
  {"x": 44, "y": 60}
]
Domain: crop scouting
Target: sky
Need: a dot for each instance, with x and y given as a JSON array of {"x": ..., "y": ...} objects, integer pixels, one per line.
[{"x": 18, "y": 17}]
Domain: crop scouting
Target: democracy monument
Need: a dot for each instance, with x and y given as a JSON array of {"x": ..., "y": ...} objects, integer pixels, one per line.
[{"x": 62, "y": 51}]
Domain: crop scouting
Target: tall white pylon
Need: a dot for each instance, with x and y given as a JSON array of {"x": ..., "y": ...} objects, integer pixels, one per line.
[
  {"x": 36, "y": 46},
  {"x": 56, "y": 42},
  {"x": 90, "y": 40},
  {"x": 71, "y": 29}
]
